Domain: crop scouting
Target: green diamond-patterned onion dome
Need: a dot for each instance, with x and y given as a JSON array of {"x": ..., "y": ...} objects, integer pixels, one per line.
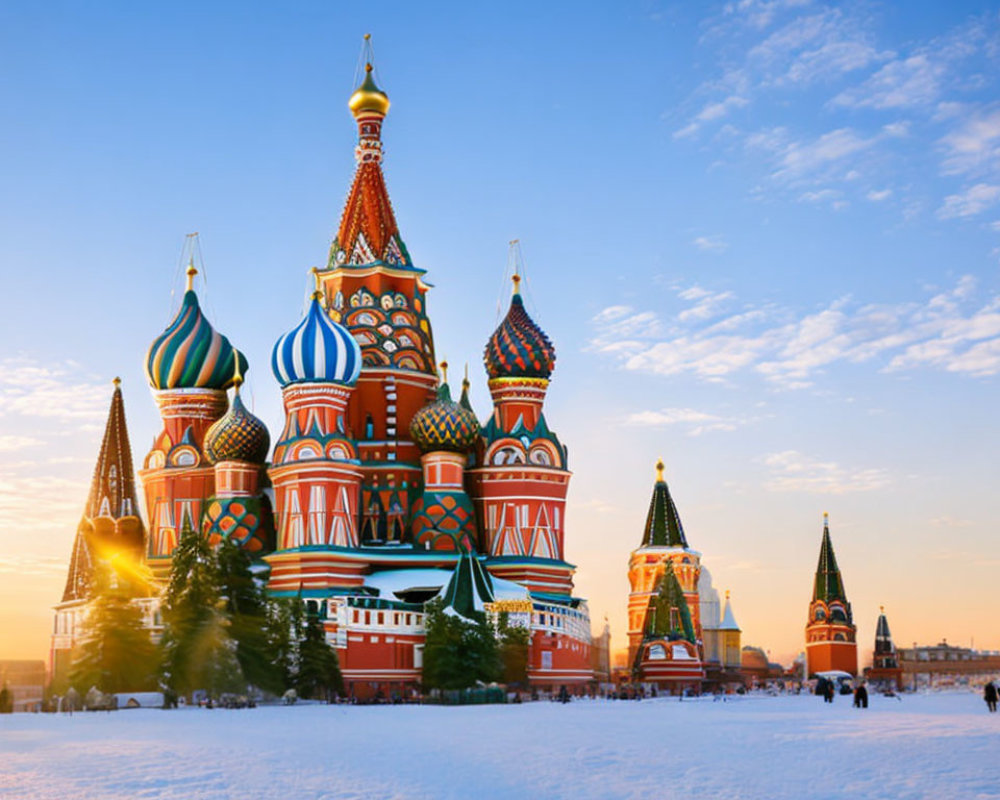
[
  {"x": 238, "y": 435},
  {"x": 518, "y": 348},
  {"x": 190, "y": 353},
  {"x": 444, "y": 424}
]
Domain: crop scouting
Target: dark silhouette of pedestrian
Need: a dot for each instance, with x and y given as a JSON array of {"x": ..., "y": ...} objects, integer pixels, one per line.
[
  {"x": 990, "y": 696},
  {"x": 861, "y": 696}
]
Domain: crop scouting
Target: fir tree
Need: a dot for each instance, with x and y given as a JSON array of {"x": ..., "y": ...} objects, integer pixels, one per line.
[
  {"x": 6, "y": 700},
  {"x": 284, "y": 629},
  {"x": 247, "y": 608},
  {"x": 116, "y": 653},
  {"x": 198, "y": 649},
  {"x": 668, "y": 614},
  {"x": 318, "y": 668},
  {"x": 458, "y": 652}
]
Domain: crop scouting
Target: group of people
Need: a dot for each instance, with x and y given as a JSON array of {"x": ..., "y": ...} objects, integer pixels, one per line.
[{"x": 828, "y": 689}]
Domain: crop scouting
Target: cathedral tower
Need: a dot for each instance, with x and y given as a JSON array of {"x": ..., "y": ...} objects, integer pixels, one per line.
[
  {"x": 521, "y": 476},
  {"x": 189, "y": 366},
  {"x": 371, "y": 286},
  {"x": 885, "y": 668},
  {"x": 830, "y": 631},
  {"x": 315, "y": 468}
]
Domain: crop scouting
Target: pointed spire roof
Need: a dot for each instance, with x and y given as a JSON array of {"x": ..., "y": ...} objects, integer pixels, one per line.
[
  {"x": 728, "y": 620},
  {"x": 368, "y": 232},
  {"x": 663, "y": 523},
  {"x": 112, "y": 488},
  {"x": 883, "y": 638},
  {"x": 829, "y": 584},
  {"x": 470, "y": 587},
  {"x": 112, "y": 496}
]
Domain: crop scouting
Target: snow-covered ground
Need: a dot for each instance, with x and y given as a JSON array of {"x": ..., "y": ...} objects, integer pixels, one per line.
[{"x": 942, "y": 746}]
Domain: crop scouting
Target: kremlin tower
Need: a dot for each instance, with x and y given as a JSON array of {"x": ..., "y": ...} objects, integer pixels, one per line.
[
  {"x": 885, "y": 668},
  {"x": 677, "y": 638},
  {"x": 830, "y": 631}
]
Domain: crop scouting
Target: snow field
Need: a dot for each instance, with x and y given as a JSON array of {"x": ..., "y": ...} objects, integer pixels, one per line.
[{"x": 942, "y": 746}]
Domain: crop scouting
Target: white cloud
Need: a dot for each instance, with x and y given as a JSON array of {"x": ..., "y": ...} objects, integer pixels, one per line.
[
  {"x": 712, "y": 244},
  {"x": 948, "y": 331},
  {"x": 29, "y": 389},
  {"x": 792, "y": 471},
  {"x": 696, "y": 422},
  {"x": 801, "y": 158},
  {"x": 903, "y": 83},
  {"x": 972, "y": 201},
  {"x": 973, "y": 146},
  {"x": 878, "y": 195},
  {"x": 10, "y": 442}
]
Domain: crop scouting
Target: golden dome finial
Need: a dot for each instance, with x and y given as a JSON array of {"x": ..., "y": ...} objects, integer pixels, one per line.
[
  {"x": 659, "y": 470},
  {"x": 116, "y": 382},
  {"x": 368, "y": 97},
  {"x": 826, "y": 518},
  {"x": 191, "y": 272},
  {"x": 317, "y": 284},
  {"x": 465, "y": 377},
  {"x": 516, "y": 280},
  {"x": 881, "y": 609},
  {"x": 237, "y": 372},
  {"x": 444, "y": 372},
  {"x": 727, "y": 595}
]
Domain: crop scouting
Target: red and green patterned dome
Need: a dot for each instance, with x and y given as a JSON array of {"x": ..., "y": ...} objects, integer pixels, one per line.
[
  {"x": 237, "y": 436},
  {"x": 444, "y": 425},
  {"x": 518, "y": 348}
]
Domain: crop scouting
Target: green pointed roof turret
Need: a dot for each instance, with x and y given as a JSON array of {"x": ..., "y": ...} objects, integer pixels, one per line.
[
  {"x": 470, "y": 587},
  {"x": 829, "y": 584},
  {"x": 663, "y": 523}
]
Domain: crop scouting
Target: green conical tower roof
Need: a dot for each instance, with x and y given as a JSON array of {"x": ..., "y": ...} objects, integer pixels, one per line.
[
  {"x": 829, "y": 584},
  {"x": 663, "y": 523},
  {"x": 469, "y": 588}
]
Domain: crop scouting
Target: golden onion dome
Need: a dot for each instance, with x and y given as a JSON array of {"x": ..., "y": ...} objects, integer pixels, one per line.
[{"x": 368, "y": 97}]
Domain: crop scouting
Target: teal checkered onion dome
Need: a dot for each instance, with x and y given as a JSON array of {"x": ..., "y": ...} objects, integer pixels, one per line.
[
  {"x": 191, "y": 354},
  {"x": 237, "y": 436},
  {"x": 518, "y": 348},
  {"x": 444, "y": 425}
]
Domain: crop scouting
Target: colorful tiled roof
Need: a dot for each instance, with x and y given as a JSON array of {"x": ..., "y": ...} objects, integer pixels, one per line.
[
  {"x": 444, "y": 424},
  {"x": 237, "y": 436},
  {"x": 518, "y": 348}
]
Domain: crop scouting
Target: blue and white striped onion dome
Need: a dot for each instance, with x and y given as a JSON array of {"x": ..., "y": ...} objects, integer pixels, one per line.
[{"x": 316, "y": 350}]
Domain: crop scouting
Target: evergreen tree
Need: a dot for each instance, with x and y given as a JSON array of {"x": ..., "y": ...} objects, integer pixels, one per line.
[
  {"x": 6, "y": 700},
  {"x": 198, "y": 649},
  {"x": 668, "y": 614},
  {"x": 318, "y": 667},
  {"x": 284, "y": 629},
  {"x": 458, "y": 652},
  {"x": 247, "y": 608},
  {"x": 116, "y": 653}
]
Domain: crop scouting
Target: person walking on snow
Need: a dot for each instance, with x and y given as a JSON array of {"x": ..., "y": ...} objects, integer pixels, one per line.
[{"x": 990, "y": 696}]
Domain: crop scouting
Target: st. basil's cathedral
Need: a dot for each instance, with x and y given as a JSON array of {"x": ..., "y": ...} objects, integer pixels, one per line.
[{"x": 382, "y": 491}]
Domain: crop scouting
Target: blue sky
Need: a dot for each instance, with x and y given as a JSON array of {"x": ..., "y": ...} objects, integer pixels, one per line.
[{"x": 764, "y": 237}]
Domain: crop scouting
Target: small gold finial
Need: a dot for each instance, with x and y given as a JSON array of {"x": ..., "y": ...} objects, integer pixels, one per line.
[
  {"x": 317, "y": 288},
  {"x": 444, "y": 372},
  {"x": 191, "y": 272},
  {"x": 826, "y": 518},
  {"x": 237, "y": 373},
  {"x": 881, "y": 609},
  {"x": 659, "y": 470},
  {"x": 465, "y": 377},
  {"x": 517, "y": 283},
  {"x": 368, "y": 36},
  {"x": 116, "y": 382},
  {"x": 727, "y": 595},
  {"x": 368, "y": 66}
]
